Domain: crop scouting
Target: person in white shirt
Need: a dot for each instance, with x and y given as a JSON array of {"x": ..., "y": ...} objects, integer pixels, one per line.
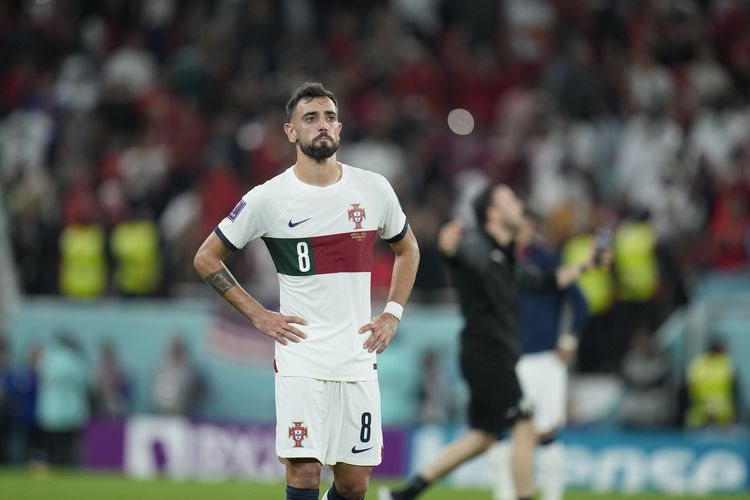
[{"x": 319, "y": 219}]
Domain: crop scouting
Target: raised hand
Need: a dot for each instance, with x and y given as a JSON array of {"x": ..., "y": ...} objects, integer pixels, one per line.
[{"x": 449, "y": 237}]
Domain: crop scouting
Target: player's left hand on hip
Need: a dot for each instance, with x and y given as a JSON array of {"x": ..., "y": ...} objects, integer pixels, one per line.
[{"x": 382, "y": 329}]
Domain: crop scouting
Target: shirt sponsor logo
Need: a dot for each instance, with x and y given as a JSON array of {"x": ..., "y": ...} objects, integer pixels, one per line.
[
  {"x": 357, "y": 215},
  {"x": 298, "y": 433},
  {"x": 236, "y": 211}
]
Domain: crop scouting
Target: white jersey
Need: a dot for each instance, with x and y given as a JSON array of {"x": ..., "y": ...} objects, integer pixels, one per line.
[{"x": 321, "y": 240}]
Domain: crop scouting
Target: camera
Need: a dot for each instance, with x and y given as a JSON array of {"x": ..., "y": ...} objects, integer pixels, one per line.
[{"x": 603, "y": 240}]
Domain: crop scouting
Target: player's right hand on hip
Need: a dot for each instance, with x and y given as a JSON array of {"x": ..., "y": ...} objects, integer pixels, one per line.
[{"x": 280, "y": 327}]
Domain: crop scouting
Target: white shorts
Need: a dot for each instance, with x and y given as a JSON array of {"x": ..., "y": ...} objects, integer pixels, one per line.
[
  {"x": 544, "y": 382},
  {"x": 330, "y": 421}
]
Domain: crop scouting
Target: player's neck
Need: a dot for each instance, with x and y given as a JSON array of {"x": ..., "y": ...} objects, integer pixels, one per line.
[{"x": 320, "y": 174}]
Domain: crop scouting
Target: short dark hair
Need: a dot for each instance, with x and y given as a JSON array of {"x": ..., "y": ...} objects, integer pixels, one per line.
[
  {"x": 482, "y": 202},
  {"x": 307, "y": 90}
]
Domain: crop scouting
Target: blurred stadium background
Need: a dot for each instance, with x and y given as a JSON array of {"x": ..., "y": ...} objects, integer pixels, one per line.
[{"x": 128, "y": 129}]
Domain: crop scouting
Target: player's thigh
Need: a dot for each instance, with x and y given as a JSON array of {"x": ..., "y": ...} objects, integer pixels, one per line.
[
  {"x": 544, "y": 378},
  {"x": 360, "y": 440},
  {"x": 301, "y": 426},
  {"x": 495, "y": 397}
]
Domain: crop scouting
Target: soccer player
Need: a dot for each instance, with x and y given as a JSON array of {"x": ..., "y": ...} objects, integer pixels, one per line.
[
  {"x": 319, "y": 219},
  {"x": 542, "y": 369},
  {"x": 487, "y": 275}
]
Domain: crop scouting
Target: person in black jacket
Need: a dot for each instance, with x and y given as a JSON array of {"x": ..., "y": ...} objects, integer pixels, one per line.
[{"x": 487, "y": 276}]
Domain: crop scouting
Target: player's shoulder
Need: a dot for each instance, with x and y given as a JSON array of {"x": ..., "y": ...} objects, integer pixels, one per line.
[
  {"x": 474, "y": 248},
  {"x": 366, "y": 177},
  {"x": 475, "y": 239},
  {"x": 273, "y": 187}
]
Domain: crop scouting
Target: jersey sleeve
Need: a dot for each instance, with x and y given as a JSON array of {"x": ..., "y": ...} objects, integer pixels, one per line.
[
  {"x": 244, "y": 223},
  {"x": 392, "y": 225}
]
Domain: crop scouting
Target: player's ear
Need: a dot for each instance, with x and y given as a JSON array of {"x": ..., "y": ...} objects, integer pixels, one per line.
[{"x": 291, "y": 134}]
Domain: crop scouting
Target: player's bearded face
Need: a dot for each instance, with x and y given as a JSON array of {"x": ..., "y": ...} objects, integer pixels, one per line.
[{"x": 321, "y": 147}]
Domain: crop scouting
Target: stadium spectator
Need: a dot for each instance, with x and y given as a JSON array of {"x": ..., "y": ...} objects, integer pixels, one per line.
[
  {"x": 7, "y": 403},
  {"x": 26, "y": 388},
  {"x": 434, "y": 392},
  {"x": 177, "y": 388},
  {"x": 637, "y": 276},
  {"x": 729, "y": 226},
  {"x": 712, "y": 390},
  {"x": 649, "y": 398},
  {"x": 63, "y": 399},
  {"x": 595, "y": 352},
  {"x": 111, "y": 385},
  {"x": 135, "y": 249},
  {"x": 83, "y": 261}
]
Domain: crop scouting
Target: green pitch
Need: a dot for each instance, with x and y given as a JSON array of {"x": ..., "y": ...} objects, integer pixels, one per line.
[{"x": 20, "y": 485}]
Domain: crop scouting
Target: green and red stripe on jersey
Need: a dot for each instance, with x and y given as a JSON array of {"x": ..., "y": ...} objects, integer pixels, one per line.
[{"x": 332, "y": 253}]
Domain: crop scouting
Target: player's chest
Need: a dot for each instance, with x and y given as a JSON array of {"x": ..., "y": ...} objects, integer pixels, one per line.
[
  {"x": 321, "y": 235},
  {"x": 325, "y": 215}
]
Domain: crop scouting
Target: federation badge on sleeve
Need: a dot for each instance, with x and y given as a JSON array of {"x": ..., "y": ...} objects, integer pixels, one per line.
[
  {"x": 298, "y": 433},
  {"x": 357, "y": 215}
]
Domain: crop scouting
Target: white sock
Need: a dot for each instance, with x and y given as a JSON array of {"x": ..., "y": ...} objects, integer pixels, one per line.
[
  {"x": 552, "y": 464},
  {"x": 501, "y": 476}
]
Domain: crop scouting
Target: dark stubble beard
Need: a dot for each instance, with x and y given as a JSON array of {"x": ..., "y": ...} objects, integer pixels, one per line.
[{"x": 319, "y": 152}]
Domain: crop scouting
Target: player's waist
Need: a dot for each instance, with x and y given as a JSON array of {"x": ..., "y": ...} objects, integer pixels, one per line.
[
  {"x": 318, "y": 332},
  {"x": 351, "y": 366},
  {"x": 538, "y": 340}
]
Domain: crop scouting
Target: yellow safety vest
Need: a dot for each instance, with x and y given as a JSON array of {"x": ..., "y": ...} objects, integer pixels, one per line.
[
  {"x": 635, "y": 262},
  {"x": 710, "y": 379},
  {"x": 135, "y": 248},
  {"x": 595, "y": 284},
  {"x": 83, "y": 264}
]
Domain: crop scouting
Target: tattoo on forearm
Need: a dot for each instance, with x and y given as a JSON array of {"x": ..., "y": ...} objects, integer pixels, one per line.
[{"x": 221, "y": 281}]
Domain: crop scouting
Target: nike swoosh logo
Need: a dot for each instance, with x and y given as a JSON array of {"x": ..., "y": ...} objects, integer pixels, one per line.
[
  {"x": 355, "y": 450},
  {"x": 295, "y": 224}
]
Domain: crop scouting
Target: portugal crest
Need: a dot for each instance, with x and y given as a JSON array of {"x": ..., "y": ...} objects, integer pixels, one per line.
[
  {"x": 357, "y": 214},
  {"x": 298, "y": 433}
]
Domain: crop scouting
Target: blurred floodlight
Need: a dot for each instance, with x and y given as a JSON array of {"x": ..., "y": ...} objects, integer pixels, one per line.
[
  {"x": 250, "y": 136},
  {"x": 460, "y": 122}
]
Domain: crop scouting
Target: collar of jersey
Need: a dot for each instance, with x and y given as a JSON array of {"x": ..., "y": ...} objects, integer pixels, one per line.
[{"x": 344, "y": 175}]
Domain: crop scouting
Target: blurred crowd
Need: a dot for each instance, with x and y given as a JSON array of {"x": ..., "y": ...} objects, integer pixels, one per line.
[
  {"x": 128, "y": 129},
  {"x": 47, "y": 401},
  {"x": 49, "y": 398}
]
